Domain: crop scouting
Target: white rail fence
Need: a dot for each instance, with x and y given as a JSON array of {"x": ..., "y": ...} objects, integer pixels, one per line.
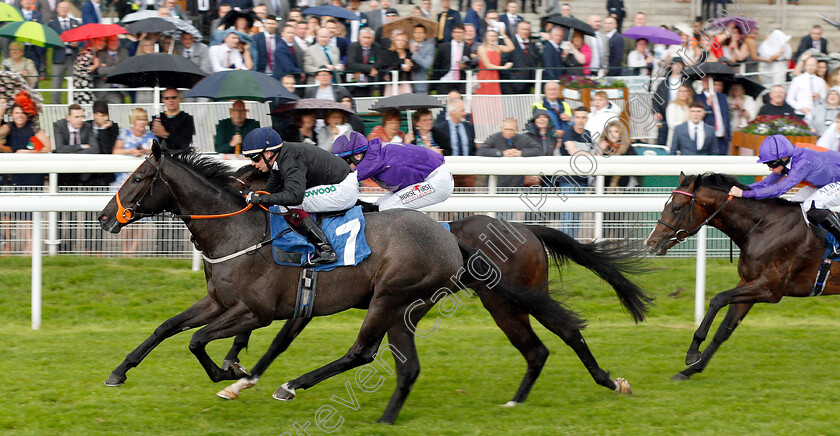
[{"x": 492, "y": 201}]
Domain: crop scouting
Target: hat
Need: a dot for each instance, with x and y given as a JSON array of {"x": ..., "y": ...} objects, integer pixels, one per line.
[
  {"x": 392, "y": 13},
  {"x": 684, "y": 28},
  {"x": 349, "y": 143},
  {"x": 538, "y": 112},
  {"x": 261, "y": 140},
  {"x": 774, "y": 148},
  {"x": 677, "y": 59},
  {"x": 323, "y": 68}
]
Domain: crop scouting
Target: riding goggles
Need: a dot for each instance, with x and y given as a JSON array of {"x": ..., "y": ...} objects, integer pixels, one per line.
[{"x": 776, "y": 163}]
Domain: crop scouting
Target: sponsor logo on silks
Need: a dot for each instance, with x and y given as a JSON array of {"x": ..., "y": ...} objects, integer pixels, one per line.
[
  {"x": 420, "y": 190},
  {"x": 319, "y": 191}
]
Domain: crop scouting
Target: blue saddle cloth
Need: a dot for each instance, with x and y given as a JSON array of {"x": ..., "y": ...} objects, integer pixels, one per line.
[
  {"x": 831, "y": 246},
  {"x": 346, "y": 234}
]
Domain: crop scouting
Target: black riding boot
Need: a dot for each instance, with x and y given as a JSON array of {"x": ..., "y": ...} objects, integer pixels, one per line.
[
  {"x": 324, "y": 252},
  {"x": 827, "y": 220}
]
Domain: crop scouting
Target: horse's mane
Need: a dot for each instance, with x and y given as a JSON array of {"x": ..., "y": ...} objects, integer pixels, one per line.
[
  {"x": 214, "y": 171},
  {"x": 722, "y": 182}
]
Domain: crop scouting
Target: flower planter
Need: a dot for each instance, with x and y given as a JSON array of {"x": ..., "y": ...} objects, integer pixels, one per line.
[{"x": 753, "y": 142}]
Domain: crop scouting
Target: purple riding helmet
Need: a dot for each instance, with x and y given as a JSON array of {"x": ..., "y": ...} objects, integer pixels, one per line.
[
  {"x": 348, "y": 145},
  {"x": 774, "y": 149}
]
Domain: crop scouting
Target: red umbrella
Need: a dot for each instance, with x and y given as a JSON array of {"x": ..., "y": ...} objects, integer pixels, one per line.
[{"x": 91, "y": 31}]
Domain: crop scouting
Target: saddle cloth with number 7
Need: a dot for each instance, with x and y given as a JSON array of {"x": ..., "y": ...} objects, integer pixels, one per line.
[{"x": 346, "y": 233}]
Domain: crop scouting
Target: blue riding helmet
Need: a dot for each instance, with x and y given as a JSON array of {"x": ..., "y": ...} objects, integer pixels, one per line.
[
  {"x": 261, "y": 140},
  {"x": 349, "y": 144},
  {"x": 775, "y": 148}
]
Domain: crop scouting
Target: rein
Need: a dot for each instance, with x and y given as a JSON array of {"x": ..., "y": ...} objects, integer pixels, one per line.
[{"x": 686, "y": 233}]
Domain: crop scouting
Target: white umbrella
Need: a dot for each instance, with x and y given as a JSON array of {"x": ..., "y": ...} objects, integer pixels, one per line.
[{"x": 137, "y": 16}]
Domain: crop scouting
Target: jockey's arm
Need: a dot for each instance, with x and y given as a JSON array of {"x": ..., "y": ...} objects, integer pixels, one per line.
[
  {"x": 286, "y": 184},
  {"x": 775, "y": 190}
]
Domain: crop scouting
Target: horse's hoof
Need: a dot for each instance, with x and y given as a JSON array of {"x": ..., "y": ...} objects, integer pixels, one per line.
[
  {"x": 115, "y": 380},
  {"x": 510, "y": 403},
  {"x": 385, "y": 421},
  {"x": 622, "y": 387},
  {"x": 227, "y": 394},
  {"x": 692, "y": 357},
  {"x": 679, "y": 377},
  {"x": 239, "y": 371},
  {"x": 227, "y": 364},
  {"x": 284, "y": 393}
]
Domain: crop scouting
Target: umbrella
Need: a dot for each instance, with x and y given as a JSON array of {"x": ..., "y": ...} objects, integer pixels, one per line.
[
  {"x": 12, "y": 83},
  {"x": 654, "y": 34},
  {"x": 311, "y": 104},
  {"x": 715, "y": 69},
  {"x": 150, "y": 25},
  {"x": 156, "y": 69},
  {"x": 240, "y": 85},
  {"x": 33, "y": 33},
  {"x": 331, "y": 11},
  {"x": 406, "y": 101},
  {"x": 751, "y": 87},
  {"x": 91, "y": 31},
  {"x": 571, "y": 23},
  {"x": 183, "y": 26},
  {"x": 137, "y": 16},
  {"x": 407, "y": 25},
  {"x": 745, "y": 24},
  {"x": 230, "y": 19},
  {"x": 9, "y": 13}
]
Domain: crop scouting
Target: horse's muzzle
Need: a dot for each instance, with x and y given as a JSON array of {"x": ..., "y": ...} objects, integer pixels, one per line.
[{"x": 109, "y": 223}]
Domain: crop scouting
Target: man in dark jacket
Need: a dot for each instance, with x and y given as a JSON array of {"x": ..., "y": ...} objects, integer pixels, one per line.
[
  {"x": 362, "y": 58},
  {"x": 813, "y": 40},
  {"x": 510, "y": 143},
  {"x": 173, "y": 126},
  {"x": 303, "y": 179},
  {"x": 524, "y": 57},
  {"x": 665, "y": 93}
]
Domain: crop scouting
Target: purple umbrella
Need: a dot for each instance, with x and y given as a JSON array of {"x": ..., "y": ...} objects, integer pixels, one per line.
[
  {"x": 654, "y": 35},
  {"x": 744, "y": 24}
]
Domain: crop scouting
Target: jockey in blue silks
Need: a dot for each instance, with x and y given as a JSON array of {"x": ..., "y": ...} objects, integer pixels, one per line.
[
  {"x": 415, "y": 175},
  {"x": 304, "y": 179},
  {"x": 792, "y": 165}
]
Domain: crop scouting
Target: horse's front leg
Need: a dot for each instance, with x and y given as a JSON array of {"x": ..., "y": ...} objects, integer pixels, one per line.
[
  {"x": 733, "y": 318},
  {"x": 752, "y": 292},
  {"x": 240, "y": 342},
  {"x": 198, "y": 314}
]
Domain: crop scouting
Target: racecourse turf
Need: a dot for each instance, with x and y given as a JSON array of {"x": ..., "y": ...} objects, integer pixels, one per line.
[{"x": 778, "y": 374}]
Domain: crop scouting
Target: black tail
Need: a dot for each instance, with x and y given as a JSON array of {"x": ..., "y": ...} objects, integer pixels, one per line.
[
  {"x": 607, "y": 259},
  {"x": 482, "y": 275}
]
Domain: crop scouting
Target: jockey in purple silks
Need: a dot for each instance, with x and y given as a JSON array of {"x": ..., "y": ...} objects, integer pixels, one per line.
[
  {"x": 819, "y": 169},
  {"x": 415, "y": 175}
]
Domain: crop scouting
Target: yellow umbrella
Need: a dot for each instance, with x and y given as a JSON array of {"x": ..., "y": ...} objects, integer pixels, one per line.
[{"x": 9, "y": 13}]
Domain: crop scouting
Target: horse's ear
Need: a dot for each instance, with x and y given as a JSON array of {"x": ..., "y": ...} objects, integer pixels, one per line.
[
  {"x": 156, "y": 149},
  {"x": 682, "y": 177}
]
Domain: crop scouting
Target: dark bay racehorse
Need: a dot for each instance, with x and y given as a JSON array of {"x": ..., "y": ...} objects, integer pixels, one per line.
[
  {"x": 519, "y": 252},
  {"x": 780, "y": 255},
  {"x": 412, "y": 257}
]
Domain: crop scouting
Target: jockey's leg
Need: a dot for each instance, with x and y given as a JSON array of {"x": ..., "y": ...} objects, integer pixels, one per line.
[
  {"x": 303, "y": 223},
  {"x": 437, "y": 187},
  {"x": 818, "y": 207}
]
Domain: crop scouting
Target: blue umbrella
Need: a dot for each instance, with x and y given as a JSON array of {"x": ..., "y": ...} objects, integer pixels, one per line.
[
  {"x": 654, "y": 35},
  {"x": 240, "y": 85},
  {"x": 331, "y": 11}
]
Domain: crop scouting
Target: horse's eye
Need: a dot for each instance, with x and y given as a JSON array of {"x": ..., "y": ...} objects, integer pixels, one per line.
[
  {"x": 677, "y": 208},
  {"x": 137, "y": 180}
]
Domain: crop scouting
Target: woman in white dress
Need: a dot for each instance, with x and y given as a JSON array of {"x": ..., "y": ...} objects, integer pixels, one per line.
[{"x": 677, "y": 111}]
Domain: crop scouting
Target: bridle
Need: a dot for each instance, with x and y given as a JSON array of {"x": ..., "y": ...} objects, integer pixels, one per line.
[{"x": 682, "y": 234}]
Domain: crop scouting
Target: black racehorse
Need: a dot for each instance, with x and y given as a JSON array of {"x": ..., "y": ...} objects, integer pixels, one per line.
[
  {"x": 780, "y": 255},
  {"x": 519, "y": 252},
  {"x": 412, "y": 257}
]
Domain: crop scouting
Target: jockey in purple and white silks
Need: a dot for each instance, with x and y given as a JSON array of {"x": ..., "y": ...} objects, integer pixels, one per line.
[
  {"x": 792, "y": 165},
  {"x": 415, "y": 175}
]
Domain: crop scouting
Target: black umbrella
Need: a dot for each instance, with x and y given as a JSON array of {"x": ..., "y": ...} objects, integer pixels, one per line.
[
  {"x": 311, "y": 104},
  {"x": 714, "y": 69},
  {"x": 571, "y": 23},
  {"x": 406, "y": 101},
  {"x": 156, "y": 69},
  {"x": 150, "y": 25},
  {"x": 240, "y": 85},
  {"x": 751, "y": 87},
  {"x": 230, "y": 19}
]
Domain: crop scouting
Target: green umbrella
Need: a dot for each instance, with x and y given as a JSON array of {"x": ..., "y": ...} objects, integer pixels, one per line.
[
  {"x": 9, "y": 13},
  {"x": 32, "y": 33}
]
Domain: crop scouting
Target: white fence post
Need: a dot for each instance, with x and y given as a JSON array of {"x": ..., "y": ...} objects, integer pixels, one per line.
[
  {"x": 599, "y": 216},
  {"x": 52, "y": 220},
  {"x": 700, "y": 280},
  {"x": 36, "y": 270}
]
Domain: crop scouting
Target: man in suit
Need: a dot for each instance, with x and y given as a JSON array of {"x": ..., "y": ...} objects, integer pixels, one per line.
[
  {"x": 322, "y": 53},
  {"x": 449, "y": 62},
  {"x": 454, "y": 134},
  {"x": 73, "y": 135},
  {"x": 717, "y": 112},
  {"x": 599, "y": 46},
  {"x": 63, "y": 58},
  {"x": 694, "y": 136},
  {"x": 615, "y": 47},
  {"x": 341, "y": 43},
  {"x": 279, "y": 8},
  {"x": 353, "y": 26},
  {"x": 377, "y": 17},
  {"x": 552, "y": 55},
  {"x": 266, "y": 43},
  {"x": 30, "y": 51},
  {"x": 665, "y": 93},
  {"x": 475, "y": 14},
  {"x": 108, "y": 59},
  {"x": 510, "y": 143},
  {"x": 288, "y": 57},
  {"x": 813, "y": 40},
  {"x": 422, "y": 50},
  {"x": 224, "y": 8},
  {"x": 325, "y": 89},
  {"x": 615, "y": 9},
  {"x": 362, "y": 58},
  {"x": 524, "y": 57},
  {"x": 196, "y": 52},
  {"x": 447, "y": 20},
  {"x": 92, "y": 12},
  {"x": 511, "y": 18}
]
